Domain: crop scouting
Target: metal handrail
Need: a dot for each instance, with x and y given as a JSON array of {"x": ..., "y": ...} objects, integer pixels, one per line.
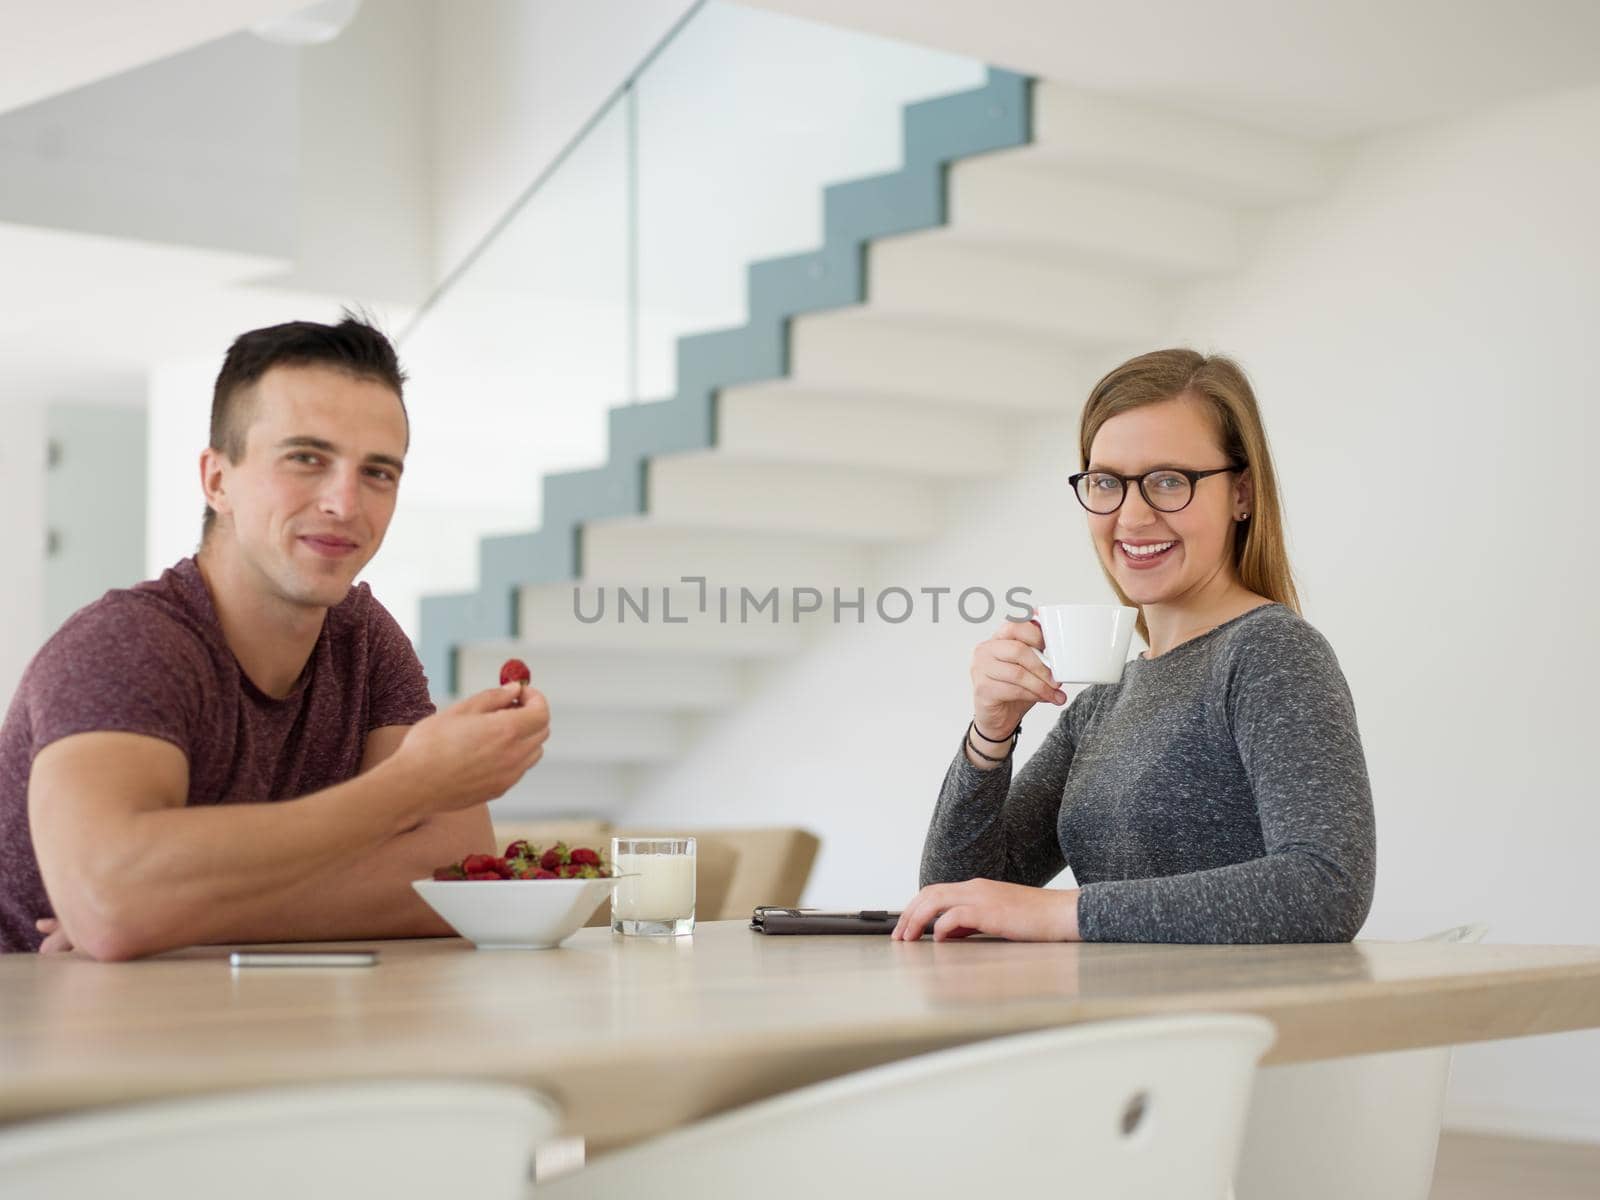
[{"x": 618, "y": 93}]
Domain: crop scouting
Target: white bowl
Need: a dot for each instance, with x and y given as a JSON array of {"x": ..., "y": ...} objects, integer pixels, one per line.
[{"x": 515, "y": 914}]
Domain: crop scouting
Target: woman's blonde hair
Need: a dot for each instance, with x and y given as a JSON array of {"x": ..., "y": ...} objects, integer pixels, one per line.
[{"x": 1259, "y": 556}]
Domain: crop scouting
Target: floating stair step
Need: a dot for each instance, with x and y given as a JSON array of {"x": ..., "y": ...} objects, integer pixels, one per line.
[
  {"x": 1059, "y": 260},
  {"x": 601, "y": 679},
  {"x": 1176, "y": 152},
  {"x": 1002, "y": 198},
  {"x": 659, "y": 620},
  {"x": 785, "y": 421},
  {"x": 566, "y": 789},
  {"x": 707, "y": 489},
  {"x": 993, "y": 368},
  {"x": 618, "y": 736},
  {"x": 647, "y": 550},
  {"x": 938, "y": 274}
]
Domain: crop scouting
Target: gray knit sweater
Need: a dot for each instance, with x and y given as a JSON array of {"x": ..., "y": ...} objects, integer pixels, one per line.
[{"x": 1217, "y": 793}]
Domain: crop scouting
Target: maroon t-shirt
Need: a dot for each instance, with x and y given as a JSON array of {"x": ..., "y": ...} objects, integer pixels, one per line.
[{"x": 152, "y": 660}]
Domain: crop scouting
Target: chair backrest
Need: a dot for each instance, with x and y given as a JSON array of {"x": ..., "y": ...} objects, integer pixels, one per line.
[
  {"x": 393, "y": 1139},
  {"x": 770, "y": 866},
  {"x": 716, "y": 866},
  {"x": 737, "y": 870},
  {"x": 574, "y": 831},
  {"x": 1131, "y": 1109},
  {"x": 1367, "y": 1125}
]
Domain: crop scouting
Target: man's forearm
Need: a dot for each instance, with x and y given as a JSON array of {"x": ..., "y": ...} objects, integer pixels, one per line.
[
  {"x": 368, "y": 897},
  {"x": 201, "y": 874}
]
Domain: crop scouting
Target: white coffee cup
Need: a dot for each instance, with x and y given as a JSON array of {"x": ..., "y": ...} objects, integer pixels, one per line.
[{"x": 1086, "y": 643}]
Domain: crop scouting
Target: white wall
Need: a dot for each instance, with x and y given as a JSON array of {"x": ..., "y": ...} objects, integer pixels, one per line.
[
  {"x": 1424, "y": 329},
  {"x": 95, "y": 489},
  {"x": 22, "y": 465},
  {"x": 179, "y": 406},
  {"x": 363, "y": 208}
]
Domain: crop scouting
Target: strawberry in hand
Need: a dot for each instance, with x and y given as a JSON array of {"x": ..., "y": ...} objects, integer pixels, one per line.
[{"x": 514, "y": 670}]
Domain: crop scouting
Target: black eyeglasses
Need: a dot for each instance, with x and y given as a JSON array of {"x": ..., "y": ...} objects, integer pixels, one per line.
[{"x": 1168, "y": 489}]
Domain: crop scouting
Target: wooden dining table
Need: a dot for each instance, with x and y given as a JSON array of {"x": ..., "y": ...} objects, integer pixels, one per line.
[{"x": 633, "y": 1036}]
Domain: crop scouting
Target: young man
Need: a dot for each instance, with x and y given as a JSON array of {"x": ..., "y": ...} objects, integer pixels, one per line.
[{"x": 244, "y": 749}]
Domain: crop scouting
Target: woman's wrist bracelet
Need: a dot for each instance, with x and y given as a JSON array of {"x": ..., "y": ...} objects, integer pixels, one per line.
[
  {"x": 972, "y": 728},
  {"x": 1010, "y": 737},
  {"x": 989, "y": 757}
]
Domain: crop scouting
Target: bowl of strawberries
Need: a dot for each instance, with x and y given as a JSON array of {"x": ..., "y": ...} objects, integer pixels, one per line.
[{"x": 525, "y": 899}]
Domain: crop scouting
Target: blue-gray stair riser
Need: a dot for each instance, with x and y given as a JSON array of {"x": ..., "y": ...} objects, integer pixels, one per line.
[{"x": 936, "y": 133}]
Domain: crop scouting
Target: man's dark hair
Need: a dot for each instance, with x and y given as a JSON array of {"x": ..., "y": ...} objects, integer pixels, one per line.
[{"x": 354, "y": 346}]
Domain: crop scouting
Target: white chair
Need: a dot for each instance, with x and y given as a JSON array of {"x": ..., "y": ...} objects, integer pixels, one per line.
[
  {"x": 1349, "y": 1127},
  {"x": 1129, "y": 1109},
  {"x": 394, "y": 1139}
]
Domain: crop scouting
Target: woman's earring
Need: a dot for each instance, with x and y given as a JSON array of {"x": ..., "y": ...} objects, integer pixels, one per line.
[{"x": 1242, "y": 517}]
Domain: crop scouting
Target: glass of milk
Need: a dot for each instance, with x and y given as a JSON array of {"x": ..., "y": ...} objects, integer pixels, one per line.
[{"x": 654, "y": 894}]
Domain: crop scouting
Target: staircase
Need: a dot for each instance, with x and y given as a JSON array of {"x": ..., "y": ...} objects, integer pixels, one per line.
[{"x": 1035, "y": 237}]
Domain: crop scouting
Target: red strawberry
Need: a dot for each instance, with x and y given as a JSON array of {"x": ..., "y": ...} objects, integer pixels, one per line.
[
  {"x": 572, "y": 871},
  {"x": 483, "y": 875},
  {"x": 541, "y": 873},
  {"x": 519, "y": 849},
  {"x": 502, "y": 868},
  {"x": 478, "y": 864},
  {"x": 584, "y": 857},
  {"x": 551, "y": 858},
  {"x": 515, "y": 671}
]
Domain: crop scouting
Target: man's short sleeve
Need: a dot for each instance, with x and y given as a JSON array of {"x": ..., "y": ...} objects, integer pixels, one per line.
[
  {"x": 396, "y": 682},
  {"x": 92, "y": 677}
]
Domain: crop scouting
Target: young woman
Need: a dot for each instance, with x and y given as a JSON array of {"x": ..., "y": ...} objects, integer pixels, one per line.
[{"x": 1217, "y": 792}]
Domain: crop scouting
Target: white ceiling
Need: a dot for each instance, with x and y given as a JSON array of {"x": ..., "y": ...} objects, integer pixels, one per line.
[
  {"x": 1323, "y": 69},
  {"x": 82, "y": 317},
  {"x": 50, "y": 47},
  {"x": 1329, "y": 69}
]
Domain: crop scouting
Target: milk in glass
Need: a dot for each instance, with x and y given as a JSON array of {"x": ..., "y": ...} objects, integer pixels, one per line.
[{"x": 654, "y": 894}]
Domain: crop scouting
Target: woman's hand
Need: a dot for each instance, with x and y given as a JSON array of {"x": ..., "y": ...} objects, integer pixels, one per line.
[
  {"x": 1008, "y": 679},
  {"x": 1009, "y": 910}
]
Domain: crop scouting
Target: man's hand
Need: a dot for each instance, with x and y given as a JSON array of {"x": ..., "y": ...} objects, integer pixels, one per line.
[
  {"x": 1008, "y": 910},
  {"x": 56, "y": 940},
  {"x": 475, "y": 750}
]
